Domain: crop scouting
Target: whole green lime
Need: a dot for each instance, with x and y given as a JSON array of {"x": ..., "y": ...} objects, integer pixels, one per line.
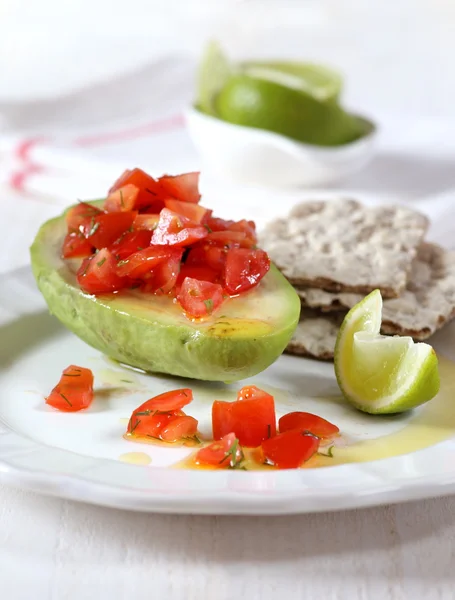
[{"x": 259, "y": 103}]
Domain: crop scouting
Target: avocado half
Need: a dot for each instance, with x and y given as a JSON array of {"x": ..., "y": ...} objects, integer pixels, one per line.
[{"x": 246, "y": 335}]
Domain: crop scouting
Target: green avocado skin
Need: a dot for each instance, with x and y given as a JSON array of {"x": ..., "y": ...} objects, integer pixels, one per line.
[{"x": 154, "y": 334}]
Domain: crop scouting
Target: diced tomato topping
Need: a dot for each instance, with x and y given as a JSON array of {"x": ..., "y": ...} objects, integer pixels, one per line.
[
  {"x": 161, "y": 238},
  {"x": 194, "y": 212},
  {"x": 290, "y": 450},
  {"x": 147, "y": 222},
  {"x": 98, "y": 274},
  {"x": 74, "y": 391},
  {"x": 81, "y": 213},
  {"x": 245, "y": 269},
  {"x": 164, "y": 276},
  {"x": 103, "y": 230},
  {"x": 174, "y": 230},
  {"x": 179, "y": 427},
  {"x": 232, "y": 239},
  {"x": 217, "y": 224},
  {"x": 122, "y": 200},
  {"x": 307, "y": 422},
  {"x": 150, "y": 195},
  {"x": 140, "y": 264},
  {"x": 252, "y": 417},
  {"x": 200, "y": 298},
  {"x": 196, "y": 272},
  {"x": 76, "y": 246},
  {"x": 149, "y": 423},
  {"x": 173, "y": 400},
  {"x": 207, "y": 255},
  {"x": 221, "y": 454},
  {"x": 130, "y": 242},
  {"x": 182, "y": 187}
]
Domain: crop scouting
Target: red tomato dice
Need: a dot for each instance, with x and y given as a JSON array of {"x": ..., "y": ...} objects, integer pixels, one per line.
[
  {"x": 221, "y": 454},
  {"x": 252, "y": 417},
  {"x": 98, "y": 274},
  {"x": 181, "y": 187},
  {"x": 149, "y": 424},
  {"x": 141, "y": 263},
  {"x": 200, "y": 298},
  {"x": 244, "y": 269},
  {"x": 129, "y": 243},
  {"x": 122, "y": 200},
  {"x": 146, "y": 221},
  {"x": 196, "y": 272},
  {"x": 164, "y": 276},
  {"x": 76, "y": 246},
  {"x": 194, "y": 212},
  {"x": 174, "y": 230},
  {"x": 206, "y": 255},
  {"x": 178, "y": 428},
  {"x": 289, "y": 450},
  {"x": 150, "y": 195},
  {"x": 81, "y": 213},
  {"x": 217, "y": 224},
  {"x": 168, "y": 401},
  {"x": 74, "y": 391},
  {"x": 103, "y": 230},
  {"x": 307, "y": 422}
]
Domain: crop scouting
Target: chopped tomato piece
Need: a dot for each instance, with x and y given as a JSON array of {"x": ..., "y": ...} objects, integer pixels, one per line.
[
  {"x": 290, "y": 450},
  {"x": 200, "y": 298},
  {"x": 217, "y": 224},
  {"x": 148, "y": 423},
  {"x": 194, "y": 212},
  {"x": 227, "y": 238},
  {"x": 174, "y": 230},
  {"x": 178, "y": 428},
  {"x": 246, "y": 227},
  {"x": 148, "y": 222},
  {"x": 182, "y": 187},
  {"x": 150, "y": 195},
  {"x": 141, "y": 263},
  {"x": 104, "y": 229},
  {"x": 97, "y": 274},
  {"x": 207, "y": 255},
  {"x": 196, "y": 272},
  {"x": 164, "y": 276},
  {"x": 122, "y": 200},
  {"x": 76, "y": 246},
  {"x": 244, "y": 269},
  {"x": 173, "y": 400},
  {"x": 252, "y": 417},
  {"x": 78, "y": 215},
  {"x": 307, "y": 422},
  {"x": 129, "y": 243},
  {"x": 74, "y": 391},
  {"x": 223, "y": 453}
]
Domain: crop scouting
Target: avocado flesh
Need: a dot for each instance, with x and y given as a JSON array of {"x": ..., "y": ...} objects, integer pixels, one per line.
[{"x": 246, "y": 335}]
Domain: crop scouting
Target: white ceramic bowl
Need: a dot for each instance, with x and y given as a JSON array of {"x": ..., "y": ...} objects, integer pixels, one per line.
[{"x": 260, "y": 157}]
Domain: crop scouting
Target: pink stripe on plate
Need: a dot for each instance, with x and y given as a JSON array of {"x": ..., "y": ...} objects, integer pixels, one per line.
[{"x": 174, "y": 122}]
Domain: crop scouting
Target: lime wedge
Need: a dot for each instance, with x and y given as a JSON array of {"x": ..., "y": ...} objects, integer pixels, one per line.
[
  {"x": 382, "y": 374},
  {"x": 294, "y": 113},
  {"x": 319, "y": 81},
  {"x": 214, "y": 71}
]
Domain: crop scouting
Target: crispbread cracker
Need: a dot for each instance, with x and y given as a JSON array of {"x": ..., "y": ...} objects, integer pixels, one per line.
[
  {"x": 424, "y": 307},
  {"x": 341, "y": 245},
  {"x": 315, "y": 335}
]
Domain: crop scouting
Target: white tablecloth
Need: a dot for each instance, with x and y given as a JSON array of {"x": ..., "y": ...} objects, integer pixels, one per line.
[{"x": 398, "y": 58}]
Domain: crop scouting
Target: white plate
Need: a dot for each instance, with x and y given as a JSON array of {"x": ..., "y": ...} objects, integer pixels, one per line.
[{"x": 77, "y": 455}]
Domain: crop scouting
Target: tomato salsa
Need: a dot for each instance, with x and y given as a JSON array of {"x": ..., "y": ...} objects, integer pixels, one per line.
[{"x": 154, "y": 236}]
